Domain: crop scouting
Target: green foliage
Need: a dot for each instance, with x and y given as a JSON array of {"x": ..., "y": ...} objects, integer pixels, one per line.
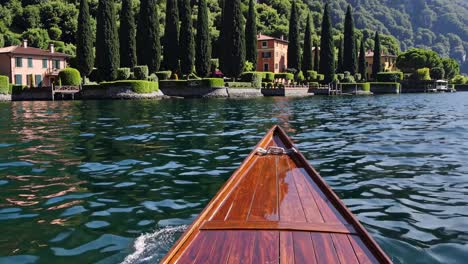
[
  {"x": 389, "y": 76},
  {"x": 141, "y": 72},
  {"x": 268, "y": 77},
  {"x": 36, "y": 37},
  {"x": 127, "y": 35},
  {"x": 239, "y": 84},
  {"x": 451, "y": 68},
  {"x": 233, "y": 41},
  {"x": 4, "y": 85},
  {"x": 84, "y": 41},
  {"x": 460, "y": 79},
  {"x": 203, "y": 41},
  {"x": 437, "y": 73},
  {"x": 107, "y": 44},
  {"x": 327, "y": 49},
  {"x": 294, "y": 49},
  {"x": 415, "y": 59},
  {"x": 70, "y": 76},
  {"x": 55, "y": 33},
  {"x": 164, "y": 75},
  {"x": 213, "y": 82},
  {"x": 284, "y": 76},
  {"x": 148, "y": 44},
  {"x": 316, "y": 57},
  {"x": 307, "y": 58},
  {"x": 348, "y": 78},
  {"x": 358, "y": 77},
  {"x": 377, "y": 60},
  {"x": 360, "y": 86},
  {"x": 137, "y": 86},
  {"x": 340, "y": 76},
  {"x": 251, "y": 35},
  {"x": 423, "y": 74},
  {"x": 362, "y": 66},
  {"x": 187, "y": 42},
  {"x": 255, "y": 78},
  {"x": 123, "y": 73},
  {"x": 311, "y": 75},
  {"x": 300, "y": 77},
  {"x": 349, "y": 51},
  {"x": 171, "y": 37},
  {"x": 248, "y": 66},
  {"x": 339, "y": 65}
]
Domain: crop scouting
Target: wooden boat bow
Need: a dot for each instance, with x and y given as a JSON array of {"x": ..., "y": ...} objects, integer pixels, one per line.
[{"x": 276, "y": 209}]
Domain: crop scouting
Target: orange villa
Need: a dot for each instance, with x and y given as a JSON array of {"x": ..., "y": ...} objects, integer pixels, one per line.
[
  {"x": 31, "y": 66},
  {"x": 388, "y": 63},
  {"x": 272, "y": 54}
]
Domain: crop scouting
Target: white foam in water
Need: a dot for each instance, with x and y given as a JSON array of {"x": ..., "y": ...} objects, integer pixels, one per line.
[{"x": 151, "y": 247}]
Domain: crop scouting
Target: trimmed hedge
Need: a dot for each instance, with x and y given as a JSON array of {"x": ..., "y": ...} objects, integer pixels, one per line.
[
  {"x": 141, "y": 72},
  {"x": 123, "y": 73},
  {"x": 311, "y": 75},
  {"x": 4, "y": 85},
  {"x": 423, "y": 74},
  {"x": 389, "y": 76},
  {"x": 360, "y": 86},
  {"x": 164, "y": 75},
  {"x": 137, "y": 86},
  {"x": 340, "y": 76},
  {"x": 286, "y": 76},
  {"x": 254, "y": 77},
  {"x": 70, "y": 76},
  {"x": 213, "y": 82},
  {"x": 239, "y": 85}
]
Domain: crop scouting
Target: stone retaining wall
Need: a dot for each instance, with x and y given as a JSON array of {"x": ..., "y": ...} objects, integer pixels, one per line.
[
  {"x": 194, "y": 92},
  {"x": 292, "y": 92},
  {"x": 243, "y": 92}
]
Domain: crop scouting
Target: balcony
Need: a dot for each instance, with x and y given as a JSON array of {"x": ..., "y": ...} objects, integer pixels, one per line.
[{"x": 52, "y": 72}]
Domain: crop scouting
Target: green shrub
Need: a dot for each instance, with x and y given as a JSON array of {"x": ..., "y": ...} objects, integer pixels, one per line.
[
  {"x": 437, "y": 73},
  {"x": 311, "y": 75},
  {"x": 268, "y": 77},
  {"x": 300, "y": 77},
  {"x": 358, "y": 77},
  {"x": 320, "y": 77},
  {"x": 423, "y": 74},
  {"x": 347, "y": 78},
  {"x": 248, "y": 66},
  {"x": 153, "y": 78},
  {"x": 269, "y": 85},
  {"x": 254, "y": 77},
  {"x": 360, "y": 86},
  {"x": 164, "y": 75},
  {"x": 123, "y": 73},
  {"x": 141, "y": 72},
  {"x": 137, "y": 86},
  {"x": 94, "y": 76},
  {"x": 70, "y": 76},
  {"x": 214, "y": 82},
  {"x": 239, "y": 84},
  {"x": 285, "y": 76},
  {"x": 4, "y": 85},
  {"x": 214, "y": 64},
  {"x": 340, "y": 76},
  {"x": 389, "y": 76},
  {"x": 460, "y": 79}
]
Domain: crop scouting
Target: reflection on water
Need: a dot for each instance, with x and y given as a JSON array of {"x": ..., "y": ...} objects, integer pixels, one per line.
[{"x": 106, "y": 182}]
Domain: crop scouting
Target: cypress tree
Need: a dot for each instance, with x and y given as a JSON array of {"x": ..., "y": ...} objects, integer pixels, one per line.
[
  {"x": 107, "y": 44},
  {"x": 327, "y": 49},
  {"x": 316, "y": 57},
  {"x": 127, "y": 34},
  {"x": 377, "y": 60},
  {"x": 339, "y": 67},
  {"x": 171, "y": 37},
  {"x": 349, "y": 52},
  {"x": 233, "y": 38},
  {"x": 251, "y": 35},
  {"x": 148, "y": 45},
  {"x": 307, "y": 60},
  {"x": 362, "y": 61},
  {"x": 187, "y": 43},
  {"x": 203, "y": 41},
  {"x": 220, "y": 43},
  {"x": 293, "y": 47},
  {"x": 84, "y": 41}
]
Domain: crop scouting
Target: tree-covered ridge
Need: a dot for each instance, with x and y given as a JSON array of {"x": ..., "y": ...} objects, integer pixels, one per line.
[{"x": 436, "y": 24}]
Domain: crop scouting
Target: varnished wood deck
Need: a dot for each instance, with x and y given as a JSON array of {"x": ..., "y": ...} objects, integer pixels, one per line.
[{"x": 276, "y": 209}]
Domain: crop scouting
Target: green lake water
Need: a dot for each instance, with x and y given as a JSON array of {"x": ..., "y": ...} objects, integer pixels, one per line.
[{"x": 118, "y": 181}]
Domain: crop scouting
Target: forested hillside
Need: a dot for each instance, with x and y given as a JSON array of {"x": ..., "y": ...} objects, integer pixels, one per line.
[{"x": 441, "y": 25}]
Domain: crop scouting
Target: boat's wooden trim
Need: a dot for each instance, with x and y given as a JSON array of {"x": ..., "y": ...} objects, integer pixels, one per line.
[
  {"x": 219, "y": 198},
  {"x": 336, "y": 201},
  {"x": 280, "y": 226}
]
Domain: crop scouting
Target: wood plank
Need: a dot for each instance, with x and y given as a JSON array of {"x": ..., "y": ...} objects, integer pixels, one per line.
[
  {"x": 290, "y": 206},
  {"x": 246, "y": 191},
  {"x": 344, "y": 249},
  {"x": 265, "y": 201},
  {"x": 214, "y": 246},
  {"x": 324, "y": 244},
  {"x": 242, "y": 247},
  {"x": 362, "y": 252},
  {"x": 307, "y": 198},
  {"x": 283, "y": 226},
  {"x": 286, "y": 248},
  {"x": 304, "y": 251},
  {"x": 191, "y": 252},
  {"x": 266, "y": 248}
]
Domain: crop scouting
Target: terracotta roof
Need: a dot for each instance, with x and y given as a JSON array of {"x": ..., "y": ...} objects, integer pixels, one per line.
[
  {"x": 19, "y": 50},
  {"x": 265, "y": 37}
]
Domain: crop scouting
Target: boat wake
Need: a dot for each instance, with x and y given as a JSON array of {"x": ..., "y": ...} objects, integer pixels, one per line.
[{"x": 151, "y": 247}]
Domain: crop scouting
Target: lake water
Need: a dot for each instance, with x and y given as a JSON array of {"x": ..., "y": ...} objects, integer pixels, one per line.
[{"x": 118, "y": 181}]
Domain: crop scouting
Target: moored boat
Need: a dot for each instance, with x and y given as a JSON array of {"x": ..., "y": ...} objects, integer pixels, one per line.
[{"x": 276, "y": 209}]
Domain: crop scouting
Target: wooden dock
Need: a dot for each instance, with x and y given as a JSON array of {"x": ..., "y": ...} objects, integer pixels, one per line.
[
  {"x": 64, "y": 90},
  {"x": 276, "y": 209}
]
